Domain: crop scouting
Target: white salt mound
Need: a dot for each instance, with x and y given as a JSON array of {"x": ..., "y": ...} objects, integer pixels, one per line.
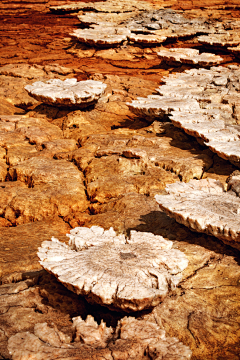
[
  {"x": 130, "y": 274},
  {"x": 204, "y": 206},
  {"x": 67, "y": 92}
]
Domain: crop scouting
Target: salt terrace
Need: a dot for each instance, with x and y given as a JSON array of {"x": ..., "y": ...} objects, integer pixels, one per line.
[{"x": 119, "y": 180}]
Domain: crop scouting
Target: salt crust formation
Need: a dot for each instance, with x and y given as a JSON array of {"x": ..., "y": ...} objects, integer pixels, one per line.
[
  {"x": 101, "y": 35},
  {"x": 67, "y": 92},
  {"x": 224, "y": 35},
  {"x": 204, "y": 206},
  {"x": 164, "y": 24},
  {"x": 113, "y": 162},
  {"x": 235, "y": 50},
  {"x": 189, "y": 56},
  {"x": 148, "y": 27},
  {"x": 129, "y": 274},
  {"x": 132, "y": 339},
  {"x": 193, "y": 320},
  {"x": 204, "y": 103},
  {"x": 226, "y": 39}
]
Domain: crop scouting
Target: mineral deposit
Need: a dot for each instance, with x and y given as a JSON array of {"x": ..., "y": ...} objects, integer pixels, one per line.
[
  {"x": 203, "y": 206},
  {"x": 67, "y": 92},
  {"x": 129, "y": 274}
]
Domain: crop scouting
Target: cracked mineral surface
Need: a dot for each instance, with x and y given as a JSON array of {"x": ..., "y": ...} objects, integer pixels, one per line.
[
  {"x": 204, "y": 103},
  {"x": 112, "y": 25},
  {"x": 67, "y": 92},
  {"x": 189, "y": 56},
  {"x": 128, "y": 274},
  {"x": 204, "y": 207},
  {"x": 102, "y": 165}
]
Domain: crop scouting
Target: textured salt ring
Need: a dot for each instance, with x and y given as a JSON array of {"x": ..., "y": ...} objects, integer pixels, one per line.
[
  {"x": 101, "y": 35},
  {"x": 67, "y": 92},
  {"x": 189, "y": 56},
  {"x": 225, "y": 39},
  {"x": 158, "y": 106},
  {"x": 204, "y": 103},
  {"x": 212, "y": 123},
  {"x": 204, "y": 206},
  {"x": 128, "y": 274}
]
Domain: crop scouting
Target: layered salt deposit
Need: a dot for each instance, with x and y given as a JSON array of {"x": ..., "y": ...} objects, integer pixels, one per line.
[
  {"x": 235, "y": 50},
  {"x": 147, "y": 38},
  {"x": 223, "y": 34},
  {"x": 145, "y": 27},
  {"x": 204, "y": 206},
  {"x": 90, "y": 340},
  {"x": 204, "y": 103},
  {"x": 101, "y": 35},
  {"x": 67, "y": 92},
  {"x": 128, "y": 274},
  {"x": 163, "y": 24},
  {"x": 225, "y": 39},
  {"x": 158, "y": 106},
  {"x": 189, "y": 56}
]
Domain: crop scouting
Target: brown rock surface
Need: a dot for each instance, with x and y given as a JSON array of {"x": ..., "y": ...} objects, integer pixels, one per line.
[
  {"x": 44, "y": 171},
  {"x": 53, "y": 187},
  {"x": 133, "y": 339},
  {"x": 136, "y": 164},
  {"x": 26, "y": 238},
  {"x": 3, "y": 170}
]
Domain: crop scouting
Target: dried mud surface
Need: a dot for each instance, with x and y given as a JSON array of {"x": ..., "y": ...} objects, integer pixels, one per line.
[{"x": 103, "y": 165}]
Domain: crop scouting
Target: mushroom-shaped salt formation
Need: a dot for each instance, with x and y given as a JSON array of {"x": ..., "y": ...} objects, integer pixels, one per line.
[
  {"x": 235, "y": 50},
  {"x": 128, "y": 274},
  {"x": 222, "y": 34},
  {"x": 68, "y": 92},
  {"x": 218, "y": 117},
  {"x": 157, "y": 106},
  {"x": 147, "y": 38},
  {"x": 204, "y": 103},
  {"x": 223, "y": 39},
  {"x": 132, "y": 339},
  {"x": 100, "y": 35},
  {"x": 204, "y": 206},
  {"x": 189, "y": 56}
]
